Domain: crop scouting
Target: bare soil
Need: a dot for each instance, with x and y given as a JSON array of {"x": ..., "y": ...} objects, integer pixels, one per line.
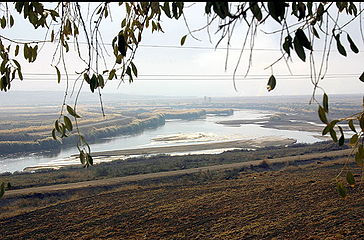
[{"x": 299, "y": 202}]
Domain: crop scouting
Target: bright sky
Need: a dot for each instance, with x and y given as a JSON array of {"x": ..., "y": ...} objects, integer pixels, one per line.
[{"x": 202, "y": 61}]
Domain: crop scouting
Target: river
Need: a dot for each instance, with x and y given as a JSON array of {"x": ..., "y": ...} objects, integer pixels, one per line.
[{"x": 174, "y": 132}]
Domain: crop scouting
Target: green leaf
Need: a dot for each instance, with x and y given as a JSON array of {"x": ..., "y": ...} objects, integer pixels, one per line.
[
  {"x": 277, "y": 10},
  {"x": 75, "y": 31},
  {"x": 66, "y": 46},
  {"x": 287, "y": 45},
  {"x": 101, "y": 81},
  {"x": 25, "y": 49},
  {"x": 86, "y": 78},
  {"x": 301, "y": 36},
  {"x": 326, "y": 129},
  {"x": 123, "y": 23},
  {"x": 134, "y": 68},
  {"x": 122, "y": 45},
  {"x": 119, "y": 58},
  {"x": 3, "y": 22},
  {"x": 340, "y": 47},
  {"x": 271, "y": 83},
  {"x": 319, "y": 12},
  {"x": 299, "y": 49},
  {"x": 325, "y": 102},
  {"x": 333, "y": 135},
  {"x": 353, "y": 9},
  {"x": 62, "y": 129},
  {"x": 341, "y": 130},
  {"x": 350, "y": 178},
  {"x": 82, "y": 157},
  {"x": 112, "y": 74},
  {"x": 2, "y": 189},
  {"x": 58, "y": 75},
  {"x": 309, "y": 8},
  {"x": 333, "y": 123},
  {"x": 17, "y": 64},
  {"x": 72, "y": 112},
  {"x": 180, "y": 6},
  {"x": 167, "y": 10},
  {"x": 16, "y": 50},
  {"x": 352, "y": 45},
  {"x": 341, "y": 140},
  {"x": 322, "y": 115},
  {"x": 93, "y": 82},
  {"x": 354, "y": 139},
  {"x": 106, "y": 13},
  {"x": 128, "y": 71},
  {"x": 208, "y": 7},
  {"x": 68, "y": 123},
  {"x": 54, "y": 134},
  {"x": 90, "y": 160},
  {"x": 11, "y": 21},
  {"x": 183, "y": 39},
  {"x": 56, "y": 126},
  {"x": 221, "y": 9},
  {"x": 314, "y": 31},
  {"x": 341, "y": 189},
  {"x": 52, "y": 36},
  {"x": 361, "y": 78},
  {"x": 20, "y": 75},
  {"x": 351, "y": 125},
  {"x": 254, "y": 8}
]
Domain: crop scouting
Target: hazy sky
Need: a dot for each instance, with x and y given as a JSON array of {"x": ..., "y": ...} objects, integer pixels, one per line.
[{"x": 206, "y": 65}]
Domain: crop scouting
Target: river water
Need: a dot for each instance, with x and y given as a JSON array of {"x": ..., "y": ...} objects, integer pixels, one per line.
[{"x": 174, "y": 132}]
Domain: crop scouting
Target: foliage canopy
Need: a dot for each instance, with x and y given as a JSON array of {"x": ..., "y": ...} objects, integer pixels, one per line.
[{"x": 303, "y": 24}]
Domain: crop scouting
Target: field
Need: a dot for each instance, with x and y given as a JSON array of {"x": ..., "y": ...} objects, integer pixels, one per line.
[
  {"x": 155, "y": 164},
  {"x": 275, "y": 192},
  {"x": 293, "y": 202},
  {"x": 28, "y": 129}
]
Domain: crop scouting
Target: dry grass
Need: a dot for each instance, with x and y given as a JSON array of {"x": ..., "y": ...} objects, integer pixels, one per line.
[{"x": 296, "y": 203}]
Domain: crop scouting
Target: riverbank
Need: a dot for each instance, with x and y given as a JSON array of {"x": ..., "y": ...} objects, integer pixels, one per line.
[
  {"x": 239, "y": 144},
  {"x": 156, "y": 163},
  {"x": 201, "y": 148},
  {"x": 283, "y": 121},
  {"x": 23, "y": 137}
]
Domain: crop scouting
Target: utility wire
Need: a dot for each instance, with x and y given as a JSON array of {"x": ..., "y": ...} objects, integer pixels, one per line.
[
  {"x": 290, "y": 78},
  {"x": 206, "y": 75},
  {"x": 184, "y": 47}
]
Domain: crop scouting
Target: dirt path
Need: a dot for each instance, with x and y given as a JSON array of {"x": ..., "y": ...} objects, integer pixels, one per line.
[{"x": 119, "y": 180}]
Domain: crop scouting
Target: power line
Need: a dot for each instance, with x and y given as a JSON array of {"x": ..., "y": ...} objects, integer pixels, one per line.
[
  {"x": 196, "y": 77},
  {"x": 167, "y": 46},
  {"x": 187, "y": 47},
  {"x": 290, "y": 78},
  {"x": 204, "y": 75}
]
